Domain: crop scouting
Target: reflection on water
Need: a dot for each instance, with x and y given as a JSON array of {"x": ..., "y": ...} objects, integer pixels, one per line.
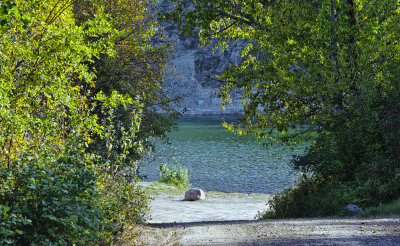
[{"x": 219, "y": 160}]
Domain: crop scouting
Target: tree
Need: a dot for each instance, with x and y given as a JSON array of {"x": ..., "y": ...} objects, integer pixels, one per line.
[
  {"x": 325, "y": 66},
  {"x": 137, "y": 70},
  {"x": 304, "y": 61},
  {"x": 43, "y": 54},
  {"x": 48, "y": 104}
]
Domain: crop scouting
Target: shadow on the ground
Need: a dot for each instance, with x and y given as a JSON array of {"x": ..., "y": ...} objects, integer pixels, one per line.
[
  {"x": 381, "y": 240},
  {"x": 201, "y": 223},
  {"x": 349, "y": 221}
]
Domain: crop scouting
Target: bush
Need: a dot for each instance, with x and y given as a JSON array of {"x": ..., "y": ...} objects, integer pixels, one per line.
[
  {"x": 355, "y": 163},
  {"x": 126, "y": 201},
  {"x": 311, "y": 197},
  {"x": 52, "y": 203},
  {"x": 175, "y": 175}
]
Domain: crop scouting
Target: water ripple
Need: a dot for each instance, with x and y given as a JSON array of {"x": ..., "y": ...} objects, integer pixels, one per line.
[{"x": 219, "y": 160}]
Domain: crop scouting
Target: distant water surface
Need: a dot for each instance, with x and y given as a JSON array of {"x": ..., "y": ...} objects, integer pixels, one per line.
[{"x": 221, "y": 161}]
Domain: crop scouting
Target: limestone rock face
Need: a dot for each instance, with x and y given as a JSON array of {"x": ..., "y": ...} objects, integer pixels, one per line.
[
  {"x": 194, "y": 195},
  {"x": 195, "y": 67}
]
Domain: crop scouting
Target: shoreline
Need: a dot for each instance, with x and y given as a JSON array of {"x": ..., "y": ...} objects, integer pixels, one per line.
[{"x": 168, "y": 205}]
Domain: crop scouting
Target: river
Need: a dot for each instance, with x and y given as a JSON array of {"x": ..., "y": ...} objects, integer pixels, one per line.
[{"x": 221, "y": 161}]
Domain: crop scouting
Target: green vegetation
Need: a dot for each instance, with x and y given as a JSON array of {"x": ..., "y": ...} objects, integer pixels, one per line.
[
  {"x": 52, "y": 202},
  {"x": 137, "y": 70},
  {"x": 175, "y": 174},
  {"x": 156, "y": 188},
  {"x": 392, "y": 208},
  {"x": 80, "y": 86},
  {"x": 330, "y": 67},
  {"x": 71, "y": 129}
]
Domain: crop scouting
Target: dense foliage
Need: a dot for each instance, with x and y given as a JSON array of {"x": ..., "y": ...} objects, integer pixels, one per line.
[
  {"x": 330, "y": 67},
  {"x": 42, "y": 55},
  {"x": 71, "y": 121},
  {"x": 52, "y": 203},
  {"x": 137, "y": 69}
]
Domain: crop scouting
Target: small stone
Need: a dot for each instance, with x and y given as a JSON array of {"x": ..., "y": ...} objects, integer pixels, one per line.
[
  {"x": 353, "y": 208},
  {"x": 194, "y": 195}
]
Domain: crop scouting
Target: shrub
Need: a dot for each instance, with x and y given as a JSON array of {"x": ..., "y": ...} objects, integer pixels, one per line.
[
  {"x": 311, "y": 197},
  {"x": 175, "y": 175},
  {"x": 358, "y": 163},
  {"x": 126, "y": 201},
  {"x": 52, "y": 203}
]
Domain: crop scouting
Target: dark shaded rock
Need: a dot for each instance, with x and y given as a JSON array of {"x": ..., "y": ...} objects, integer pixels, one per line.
[{"x": 353, "y": 208}]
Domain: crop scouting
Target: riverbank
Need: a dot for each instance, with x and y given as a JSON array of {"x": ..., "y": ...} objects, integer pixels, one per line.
[{"x": 168, "y": 205}]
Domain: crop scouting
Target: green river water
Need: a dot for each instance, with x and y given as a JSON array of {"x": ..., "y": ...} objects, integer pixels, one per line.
[{"x": 220, "y": 161}]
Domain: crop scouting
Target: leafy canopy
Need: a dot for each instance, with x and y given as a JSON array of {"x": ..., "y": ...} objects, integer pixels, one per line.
[
  {"x": 43, "y": 55},
  {"x": 136, "y": 70},
  {"x": 305, "y": 62}
]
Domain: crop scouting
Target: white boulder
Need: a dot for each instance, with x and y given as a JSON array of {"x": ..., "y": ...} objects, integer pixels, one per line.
[{"x": 194, "y": 195}]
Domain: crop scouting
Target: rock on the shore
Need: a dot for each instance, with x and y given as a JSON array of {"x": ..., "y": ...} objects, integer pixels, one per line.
[
  {"x": 353, "y": 208},
  {"x": 194, "y": 195}
]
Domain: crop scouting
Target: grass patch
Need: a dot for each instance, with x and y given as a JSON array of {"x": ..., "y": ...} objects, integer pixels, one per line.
[
  {"x": 383, "y": 209},
  {"x": 158, "y": 187}
]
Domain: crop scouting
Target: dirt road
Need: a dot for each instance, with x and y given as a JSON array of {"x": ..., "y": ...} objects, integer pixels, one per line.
[
  {"x": 339, "y": 231},
  {"x": 228, "y": 219}
]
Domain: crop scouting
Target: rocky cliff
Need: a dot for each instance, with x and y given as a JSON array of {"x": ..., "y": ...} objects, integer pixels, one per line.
[{"x": 195, "y": 67}]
